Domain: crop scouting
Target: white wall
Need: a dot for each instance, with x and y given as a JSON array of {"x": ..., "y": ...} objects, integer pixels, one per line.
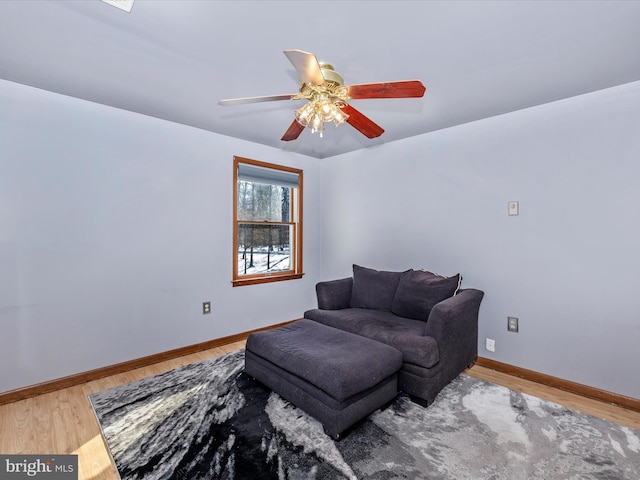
[
  {"x": 567, "y": 266},
  {"x": 114, "y": 228}
]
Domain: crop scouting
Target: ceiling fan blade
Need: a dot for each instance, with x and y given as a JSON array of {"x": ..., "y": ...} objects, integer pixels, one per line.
[
  {"x": 293, "y": 132},
  {"x": 267, "y": 98},
  {"x": 362, "y": 123},
  {"x": 401, "y": 89},
  {"x": 307, "y": 66}
]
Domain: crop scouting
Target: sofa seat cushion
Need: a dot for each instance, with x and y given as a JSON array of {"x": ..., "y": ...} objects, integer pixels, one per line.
[
  {"x": 337, "y": 362},
  {"x": 404, "y": 334}
]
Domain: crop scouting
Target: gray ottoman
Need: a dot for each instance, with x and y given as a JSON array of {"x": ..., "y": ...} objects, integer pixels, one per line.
[{"x": 336, "y": 377}]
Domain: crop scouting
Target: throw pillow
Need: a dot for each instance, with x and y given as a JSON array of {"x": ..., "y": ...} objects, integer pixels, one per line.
[
  {"x": 373, "y": 289},
  {"x": 419, "y": 291}
]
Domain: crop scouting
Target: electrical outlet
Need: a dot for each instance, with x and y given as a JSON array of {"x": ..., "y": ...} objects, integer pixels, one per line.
[
  {"x": 206, "y": 307},
  {"x": 513, "y": 208},
  {"x": 512, "y": 324},
  {"x": 490, "y": 345}
]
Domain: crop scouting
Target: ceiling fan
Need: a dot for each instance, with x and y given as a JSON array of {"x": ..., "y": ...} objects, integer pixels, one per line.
[{"x": 327, "y": 97}]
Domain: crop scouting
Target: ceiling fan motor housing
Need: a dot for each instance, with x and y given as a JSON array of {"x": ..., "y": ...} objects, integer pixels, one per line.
[
  {"x": 332, "y": 80},
  {"x": 330, "y": 75}
]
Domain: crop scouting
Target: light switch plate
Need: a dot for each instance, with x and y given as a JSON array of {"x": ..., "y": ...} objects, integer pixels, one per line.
[{"x": 513, "y": 208}]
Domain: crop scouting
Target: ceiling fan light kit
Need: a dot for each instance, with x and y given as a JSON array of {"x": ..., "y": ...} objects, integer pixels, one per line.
[
  {"x": 320, "y": 111},
  {"x": 325, "y": 101},
  {"x": 327, "y": 97}
]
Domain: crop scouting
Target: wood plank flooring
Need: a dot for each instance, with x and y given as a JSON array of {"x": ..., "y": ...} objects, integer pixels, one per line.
[{"x": 63, "y": 421}]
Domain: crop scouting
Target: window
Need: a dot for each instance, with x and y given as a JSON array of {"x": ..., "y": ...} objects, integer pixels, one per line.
[{"x": 267, "y": 225}]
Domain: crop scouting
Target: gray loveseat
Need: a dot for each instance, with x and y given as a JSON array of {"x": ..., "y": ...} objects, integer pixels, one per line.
[{"x": 427, "y": 317}]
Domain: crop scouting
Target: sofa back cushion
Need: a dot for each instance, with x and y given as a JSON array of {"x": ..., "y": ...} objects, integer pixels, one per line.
[
  {"x": 419, "y": 291},
  {"x": 373, "y": 289}
]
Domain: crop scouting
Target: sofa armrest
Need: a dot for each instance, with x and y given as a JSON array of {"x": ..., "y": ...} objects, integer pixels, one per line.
[
  {"x": 334, "y": 294},
  {"x": 421, "y": 351},
  {"x": 454, "y": 324}
]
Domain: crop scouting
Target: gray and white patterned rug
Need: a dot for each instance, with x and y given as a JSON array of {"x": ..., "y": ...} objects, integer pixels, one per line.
[{"x": 211, "y": 421}]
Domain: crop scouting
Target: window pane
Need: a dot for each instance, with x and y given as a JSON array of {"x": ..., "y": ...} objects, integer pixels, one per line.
[
  {"x": 264, "y": 248},
  {"x": 262, "y": 202}
]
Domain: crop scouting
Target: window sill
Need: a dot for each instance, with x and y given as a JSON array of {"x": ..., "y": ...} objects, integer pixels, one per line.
[{"x": 265, "y": 279}]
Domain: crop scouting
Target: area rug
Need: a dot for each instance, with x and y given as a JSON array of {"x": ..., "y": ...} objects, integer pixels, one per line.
[{"x": 209, "y": 420}]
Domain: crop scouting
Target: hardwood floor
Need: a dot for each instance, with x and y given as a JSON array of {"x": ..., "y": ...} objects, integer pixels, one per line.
[{"x": 63, "y": 421}]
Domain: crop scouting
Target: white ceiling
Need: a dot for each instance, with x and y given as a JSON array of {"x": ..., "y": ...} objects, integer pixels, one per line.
[{"x": 175, "y": 59}]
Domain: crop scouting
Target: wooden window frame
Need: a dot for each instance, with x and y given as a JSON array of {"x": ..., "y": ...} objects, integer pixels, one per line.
[{"x": 296, "y": 206}]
